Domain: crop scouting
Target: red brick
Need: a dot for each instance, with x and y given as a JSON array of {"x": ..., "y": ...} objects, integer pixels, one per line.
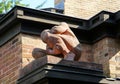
[{"x": 10, "y": 61}]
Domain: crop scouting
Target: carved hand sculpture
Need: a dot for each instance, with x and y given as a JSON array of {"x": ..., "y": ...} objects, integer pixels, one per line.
[{"x": 61, "y": 40}]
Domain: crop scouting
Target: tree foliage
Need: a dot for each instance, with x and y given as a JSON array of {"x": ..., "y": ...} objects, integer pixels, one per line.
[{"x": 6, "y": 5}]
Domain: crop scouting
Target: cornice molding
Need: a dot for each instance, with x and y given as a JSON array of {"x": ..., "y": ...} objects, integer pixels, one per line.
[{"x": 34, "y": 21}]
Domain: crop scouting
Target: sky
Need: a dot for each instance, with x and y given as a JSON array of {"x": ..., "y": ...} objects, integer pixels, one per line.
[{"x": 35, "y": 3}]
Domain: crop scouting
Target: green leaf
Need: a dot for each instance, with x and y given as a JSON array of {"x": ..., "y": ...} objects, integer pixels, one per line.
[
  {"x": 9, "y": 6},
  {"x": 6, "y": 5}
]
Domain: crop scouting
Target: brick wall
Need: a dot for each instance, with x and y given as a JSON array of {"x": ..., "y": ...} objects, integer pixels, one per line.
[
  {"x": 10, "y": 61},
  {"x": 114, "y": 53},
  {"x": 107, "y": 52},
  {"x": 29, "y": 43},
  {"x": 87, "y": 53},
  {"x": 88, "y": 8},
  {"x": 15, "y": 54}
]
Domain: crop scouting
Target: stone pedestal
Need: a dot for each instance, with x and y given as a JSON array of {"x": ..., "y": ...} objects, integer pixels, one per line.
[{"x": 53, "y": 70}]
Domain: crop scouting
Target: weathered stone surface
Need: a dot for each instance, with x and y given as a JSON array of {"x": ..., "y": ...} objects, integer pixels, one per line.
[
  {"x": 55, "y": 67},
  {"x": 51, "y": 70},
  {"x": 58, "y": 61}
]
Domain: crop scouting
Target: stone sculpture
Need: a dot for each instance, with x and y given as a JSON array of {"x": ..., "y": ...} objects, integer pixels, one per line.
[{"x": 61, "y": 40}]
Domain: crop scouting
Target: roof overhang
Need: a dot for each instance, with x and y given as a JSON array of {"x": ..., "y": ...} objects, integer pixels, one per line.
[{"x": 31, "y": 21}]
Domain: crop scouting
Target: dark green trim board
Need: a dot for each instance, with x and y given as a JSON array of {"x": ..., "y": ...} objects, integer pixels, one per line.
[
  {"x": 13, "y": 31},
  {"x": 104, "y": 24}
]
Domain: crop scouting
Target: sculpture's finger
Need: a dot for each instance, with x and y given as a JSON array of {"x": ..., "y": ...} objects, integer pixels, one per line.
[{"x": 44, "y": 35}]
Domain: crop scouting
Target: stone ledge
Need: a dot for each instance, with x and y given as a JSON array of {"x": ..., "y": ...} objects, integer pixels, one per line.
[
  {"x": 53, "y": 60},
  {"x": 48, "y": 67}
]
